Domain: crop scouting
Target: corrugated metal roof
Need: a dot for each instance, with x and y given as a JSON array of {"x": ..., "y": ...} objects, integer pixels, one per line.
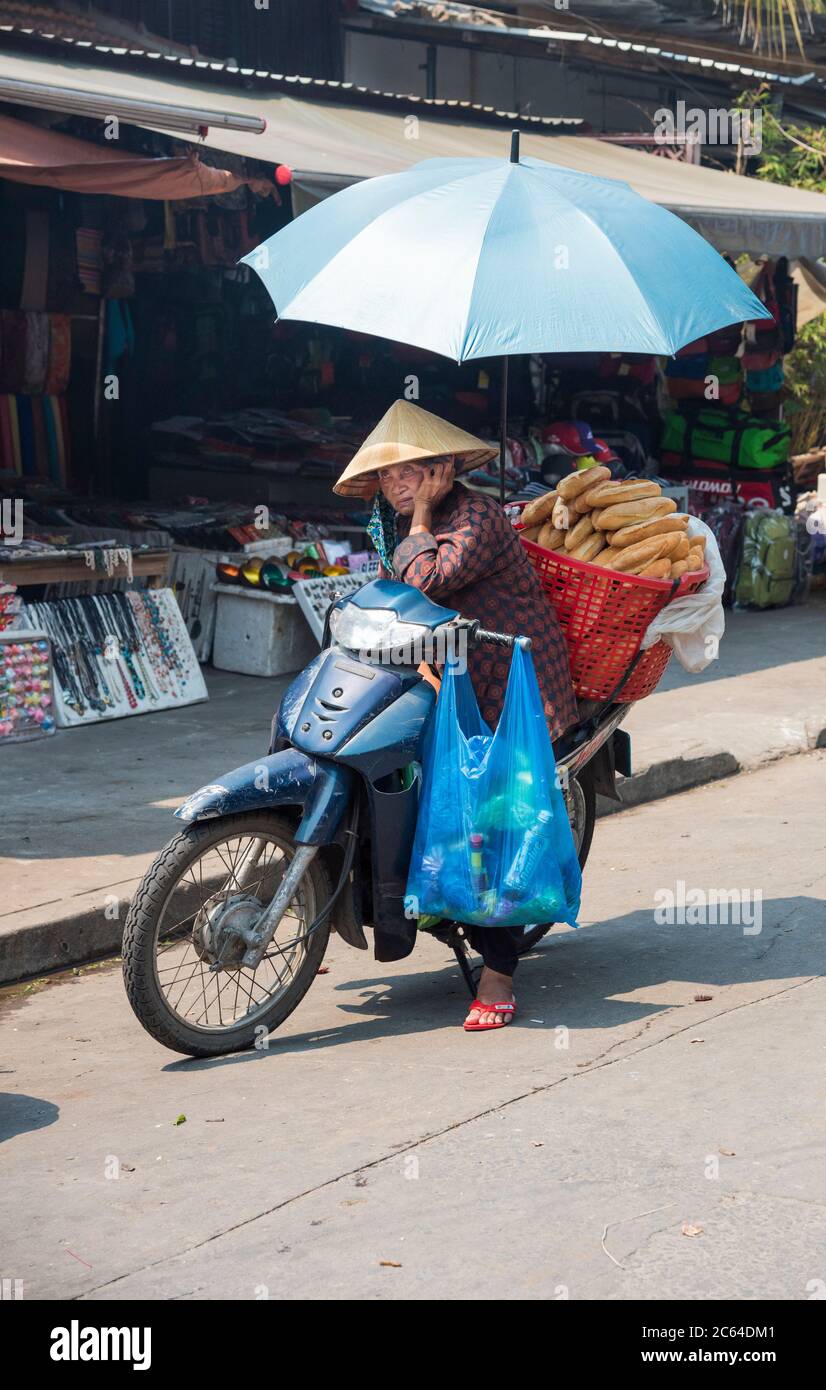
[
  {"x": 143, "y": 56},
  {"x": 449, "y": 14},
  {"x": 74, "y": 25}
]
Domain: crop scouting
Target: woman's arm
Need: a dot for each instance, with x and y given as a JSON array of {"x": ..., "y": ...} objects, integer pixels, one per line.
[{"x": 449, "y": 560}]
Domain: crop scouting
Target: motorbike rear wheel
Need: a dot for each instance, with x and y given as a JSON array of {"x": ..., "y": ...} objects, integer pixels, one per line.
[{"x": 214, "y": 876}]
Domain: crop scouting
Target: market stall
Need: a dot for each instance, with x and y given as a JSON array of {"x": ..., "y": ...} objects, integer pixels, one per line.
[{"x": 140, "y": 363}]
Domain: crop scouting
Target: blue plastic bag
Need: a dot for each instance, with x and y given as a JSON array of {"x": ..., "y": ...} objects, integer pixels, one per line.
[{"x": 493, "y": 841}]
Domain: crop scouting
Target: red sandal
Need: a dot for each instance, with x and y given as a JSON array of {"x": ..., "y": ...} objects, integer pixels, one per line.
[{"x": 489, "y": 1008}]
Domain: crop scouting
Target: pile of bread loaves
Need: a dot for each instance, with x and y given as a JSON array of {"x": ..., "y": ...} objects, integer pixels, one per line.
[{"x": 625, "y": 526}]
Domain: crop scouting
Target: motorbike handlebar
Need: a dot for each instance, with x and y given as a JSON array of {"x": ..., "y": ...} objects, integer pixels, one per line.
[{"x": 499, "y": 639}]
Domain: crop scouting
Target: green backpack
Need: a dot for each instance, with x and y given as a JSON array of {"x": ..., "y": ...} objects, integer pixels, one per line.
[
  {"x": 766, "y": 576},
  {"x": 733, "y": 438}
]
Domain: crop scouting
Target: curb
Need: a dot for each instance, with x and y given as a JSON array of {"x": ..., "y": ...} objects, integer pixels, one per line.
[
  {"x": 667, "y": 778},
  {"x": 94, "y": 932},
  {"x": 77, "y": 939}
]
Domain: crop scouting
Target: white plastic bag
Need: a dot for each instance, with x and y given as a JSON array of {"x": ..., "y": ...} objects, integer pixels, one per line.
[{"x": 693, "y": 626}]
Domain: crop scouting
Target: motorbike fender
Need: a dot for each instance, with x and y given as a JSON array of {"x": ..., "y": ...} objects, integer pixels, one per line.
[
  {"x": 322, "y": 790},
  {"x": 613, "y": 757}
]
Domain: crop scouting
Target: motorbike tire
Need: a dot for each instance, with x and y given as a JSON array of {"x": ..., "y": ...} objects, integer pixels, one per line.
[
  {"x": 142, "y": 928},
  {"x": 535, "y": 934}
]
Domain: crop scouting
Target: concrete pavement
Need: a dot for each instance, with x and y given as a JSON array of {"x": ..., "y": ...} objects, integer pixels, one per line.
[
  {"x": 85, "y": 812},
  {"x": 764, "y": 698},
  {"x": 657, "y": 1077}
]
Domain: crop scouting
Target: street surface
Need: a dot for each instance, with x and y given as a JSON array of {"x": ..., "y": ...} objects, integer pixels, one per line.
[{"x": 620, "y": 1140}]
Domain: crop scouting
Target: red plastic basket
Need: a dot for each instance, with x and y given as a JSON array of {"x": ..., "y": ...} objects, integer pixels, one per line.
[{"x": 604, "y": 615}]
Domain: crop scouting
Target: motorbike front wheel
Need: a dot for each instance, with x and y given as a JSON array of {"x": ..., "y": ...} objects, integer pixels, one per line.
[{"x": 182, "y": 951}]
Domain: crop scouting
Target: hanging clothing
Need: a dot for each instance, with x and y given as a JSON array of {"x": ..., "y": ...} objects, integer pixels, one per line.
[{"x": 120, "y": 333}]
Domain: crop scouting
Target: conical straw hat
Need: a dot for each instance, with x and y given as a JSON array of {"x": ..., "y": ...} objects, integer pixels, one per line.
[{"x": 409, "y": 434}]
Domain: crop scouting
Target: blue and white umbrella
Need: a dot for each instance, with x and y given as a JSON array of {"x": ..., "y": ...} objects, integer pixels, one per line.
[{"x": 492, "y": 257}]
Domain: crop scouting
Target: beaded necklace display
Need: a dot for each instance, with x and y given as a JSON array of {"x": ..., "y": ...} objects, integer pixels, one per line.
[{"x": 111, "y": 648}]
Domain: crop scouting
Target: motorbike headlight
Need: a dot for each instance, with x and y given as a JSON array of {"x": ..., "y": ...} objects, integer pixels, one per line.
[{"x": 372, "y": 630}]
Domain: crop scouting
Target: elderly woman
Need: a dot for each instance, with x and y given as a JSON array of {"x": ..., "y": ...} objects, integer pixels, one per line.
[{"x": 459, "y": 548}]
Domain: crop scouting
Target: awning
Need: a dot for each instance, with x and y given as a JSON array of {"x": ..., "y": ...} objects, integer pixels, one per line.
[
  {"x": 327, "y": 145},
  {"x": 32, "y": 154}
]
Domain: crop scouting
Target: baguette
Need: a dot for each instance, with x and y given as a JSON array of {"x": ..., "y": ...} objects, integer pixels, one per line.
[
  {"x": 550, "y": 537},
  {"x": 539, "y": 510},
  {"x": 590, "y": 548},
  {"x": 695, "y": 560},
  {"x": 580, "y": 504},
  {"x": 612, "y": 493},
  {"x": 629, "y": 535},
  {"x": 672, "y": 544},
  {"x": 580, "y": 532},
  {"x": 608, "y": 556},
  {"x": 561, "y": 516},
  {"x": 660, "y": 569},
  {"x": 576, "y": 483},
  {"x": 679, "y": 568},
  {"x": 632, "y": 513},
  {"x": 530, "y": 533},
  {"x": 636, "y": 557},
  {"x": 681, "y": 549},
  {"x": 583, "y": 503}
]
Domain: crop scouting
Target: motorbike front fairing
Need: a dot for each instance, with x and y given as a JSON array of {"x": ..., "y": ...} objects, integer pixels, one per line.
[{"x": 346, "y": 727}]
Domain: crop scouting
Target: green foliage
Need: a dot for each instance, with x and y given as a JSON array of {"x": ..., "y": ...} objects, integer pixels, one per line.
[
  {"x": 770, "y": 24},
  {"x": 806, "y": 381},
  {"x": 794, "y": 155}
]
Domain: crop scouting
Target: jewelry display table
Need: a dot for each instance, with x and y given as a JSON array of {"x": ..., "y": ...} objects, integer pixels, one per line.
[{"x": 70, "y": 569}]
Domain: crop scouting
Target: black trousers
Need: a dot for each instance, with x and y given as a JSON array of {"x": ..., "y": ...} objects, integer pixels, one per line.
[{"x": 496, "y": 946}]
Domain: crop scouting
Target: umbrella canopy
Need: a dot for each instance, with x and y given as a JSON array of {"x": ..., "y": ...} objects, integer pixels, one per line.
[{"x": 486, "y": 257}]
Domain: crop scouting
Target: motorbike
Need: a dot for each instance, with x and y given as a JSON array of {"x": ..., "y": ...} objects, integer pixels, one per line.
[{"x": 230, "y": 923}]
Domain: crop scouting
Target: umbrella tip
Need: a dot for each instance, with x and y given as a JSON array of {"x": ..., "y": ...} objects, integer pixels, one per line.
[{"x": 514, "y": 147}]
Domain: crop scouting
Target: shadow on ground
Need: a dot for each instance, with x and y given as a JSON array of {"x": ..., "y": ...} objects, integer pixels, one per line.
[{"x": 591, "y": 979}]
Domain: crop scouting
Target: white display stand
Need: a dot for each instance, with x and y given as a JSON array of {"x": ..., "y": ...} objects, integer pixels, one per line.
[
  {"x": 259, "y": 633},
  {"x": 167, "y": 687},
  {"x": 315, "y": 596}
]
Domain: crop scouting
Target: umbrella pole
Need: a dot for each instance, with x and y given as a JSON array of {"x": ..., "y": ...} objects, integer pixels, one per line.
[
  {"x": 503, "y": 430},
  {"x": 503, "y": 409}
]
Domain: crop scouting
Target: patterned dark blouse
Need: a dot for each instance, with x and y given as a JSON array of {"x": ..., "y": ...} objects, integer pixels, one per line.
[{"x": 475, "y": 563}]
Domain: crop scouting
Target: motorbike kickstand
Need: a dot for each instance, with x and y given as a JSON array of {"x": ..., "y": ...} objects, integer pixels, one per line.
[{"x": 458, "y": 941}]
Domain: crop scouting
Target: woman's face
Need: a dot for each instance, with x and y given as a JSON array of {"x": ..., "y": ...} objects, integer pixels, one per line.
[{"x": 400, "y": 482}]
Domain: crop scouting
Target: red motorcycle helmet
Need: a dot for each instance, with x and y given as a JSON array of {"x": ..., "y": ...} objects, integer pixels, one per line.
[
  {"x": 603, "y": 453},
  {"x": 572, "y": 437}
]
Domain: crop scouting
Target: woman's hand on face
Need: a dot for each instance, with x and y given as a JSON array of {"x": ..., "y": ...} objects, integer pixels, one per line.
[{"x": 435, "y": 484}]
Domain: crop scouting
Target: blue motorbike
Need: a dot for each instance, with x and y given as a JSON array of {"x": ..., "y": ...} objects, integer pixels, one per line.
[{"x": 230, "y": 923}]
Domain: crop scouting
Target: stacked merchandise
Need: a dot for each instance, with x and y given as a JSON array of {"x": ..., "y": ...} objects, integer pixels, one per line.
[
  {"x": 118, "y": 654},
  {"x": 203, "y": 535},
  {"x": 707, "y": 370},
  {"x": 768, "y": 340},
  {"x": 725, "y": 438},
  {"x": 724, "y": 433},
  {"x": 308, "y": 442}
]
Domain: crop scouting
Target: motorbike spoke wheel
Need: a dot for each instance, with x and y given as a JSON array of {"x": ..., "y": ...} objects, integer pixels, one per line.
[{"x": 183, "y": 948}]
